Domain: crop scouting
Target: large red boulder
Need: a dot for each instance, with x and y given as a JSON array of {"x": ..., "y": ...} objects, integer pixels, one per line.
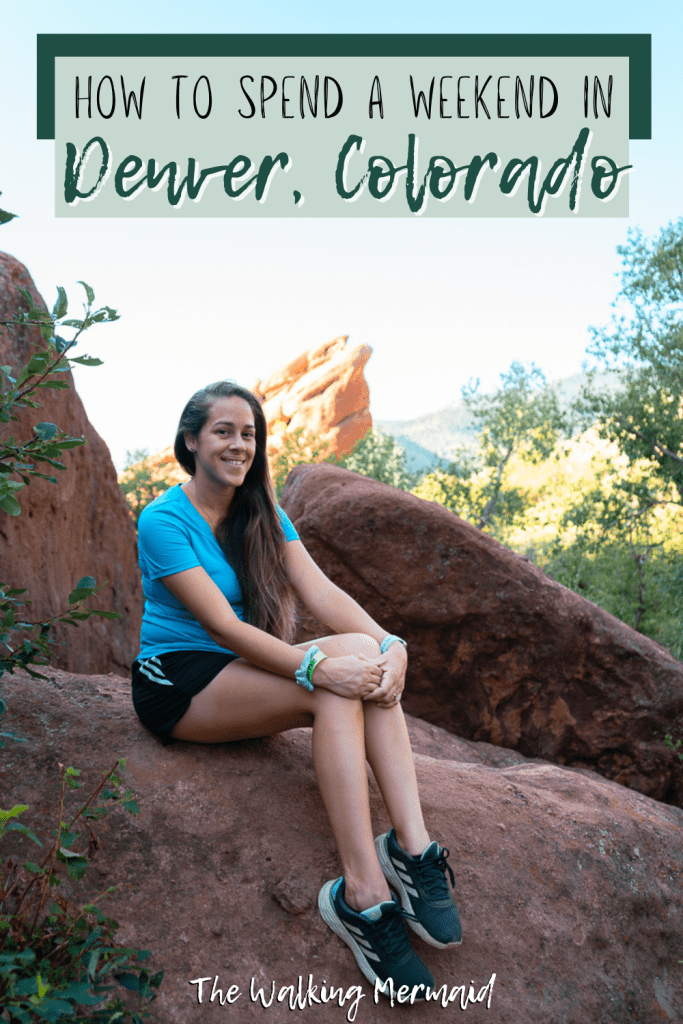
[
  {"x": 570, "y": 887},
  {"x": 79, "y": 526},
  {"x": 498, "y": 651}
]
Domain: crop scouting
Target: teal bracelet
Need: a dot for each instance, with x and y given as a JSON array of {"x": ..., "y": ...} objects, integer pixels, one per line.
[
  {"x": 315, "y": 660},
  {"x": 388, "y": 641},
  {"x": 312, "y": 657}
]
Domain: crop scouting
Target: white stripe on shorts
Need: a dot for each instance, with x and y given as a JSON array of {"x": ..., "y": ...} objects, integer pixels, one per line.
[{"x": 152, "y": 669}]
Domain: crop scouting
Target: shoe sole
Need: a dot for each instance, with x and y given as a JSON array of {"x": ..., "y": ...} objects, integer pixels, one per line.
[
  {"x": 333, "y": 921},
  {"x": 390, "y": 873}
]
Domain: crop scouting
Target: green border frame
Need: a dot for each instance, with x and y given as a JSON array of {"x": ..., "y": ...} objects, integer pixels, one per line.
[{"x": 638, "y": 48}]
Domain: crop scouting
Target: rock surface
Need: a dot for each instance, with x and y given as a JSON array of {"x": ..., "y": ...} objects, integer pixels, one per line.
[
  {"x": 323, "y": 392},
  {"x": 498, "y": 651},
  {"x": 570, "y": 887},
  {"x": 77, "y": 527}
]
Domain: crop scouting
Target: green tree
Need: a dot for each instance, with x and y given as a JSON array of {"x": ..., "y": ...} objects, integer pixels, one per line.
[
  {"x": 447, "y": 488},
  {"x": 619, "y": 534},
  {"x": 299, "y": 447},
  {"x": 522, "y": 419},
  {"x": 643, "y": 416},
  {"x": 645, "y": 343},
  {"x": 143, "y": 480},
  {"x": 380, "y": 457},
  {"x": 376, "y": 455}
]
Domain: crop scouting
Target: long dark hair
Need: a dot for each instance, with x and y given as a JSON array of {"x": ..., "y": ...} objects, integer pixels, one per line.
[{"x": 250, "y": 535}]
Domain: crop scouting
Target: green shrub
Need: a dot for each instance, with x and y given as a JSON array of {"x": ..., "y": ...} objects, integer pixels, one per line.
[
  {"x": 24, "y": 643},
  {"x": 299, "y": 448},
  {"x": 143, "y": 479},
  {"x": 58, "y": 960},
  {"x": 380, "y": 457}
]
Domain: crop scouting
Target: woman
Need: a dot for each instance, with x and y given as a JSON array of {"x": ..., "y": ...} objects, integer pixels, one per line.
[{"x": 221, "y": 567}]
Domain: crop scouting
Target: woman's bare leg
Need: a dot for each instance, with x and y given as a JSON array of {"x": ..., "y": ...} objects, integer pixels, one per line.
[
  {"x": 388, "y": 751},
  {"x": 340, "y": 768},
  {"x": 244, "y": 702},
  {"x": 387, "y": 747}
]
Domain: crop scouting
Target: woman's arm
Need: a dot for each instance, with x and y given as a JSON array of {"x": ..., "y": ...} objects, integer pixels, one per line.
[
  {"x": 349, "y": 676},
  {"x": 325, "y": 599},
  {"x": 338, "y": 610},
  {"x": 211, "y": 609}
]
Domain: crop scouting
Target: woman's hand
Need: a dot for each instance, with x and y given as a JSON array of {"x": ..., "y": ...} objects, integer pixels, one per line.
[
  {"x": 352, "y": 675},
  {"x": 393, "y": 664}
]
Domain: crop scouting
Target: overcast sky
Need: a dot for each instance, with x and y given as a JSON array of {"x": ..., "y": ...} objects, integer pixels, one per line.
[{"x": 440, "y": 301}]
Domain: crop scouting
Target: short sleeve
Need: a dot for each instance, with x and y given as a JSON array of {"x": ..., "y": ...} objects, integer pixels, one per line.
[
  {"x": 164, "y": 544},
  {"x": 290, "y": 532}
]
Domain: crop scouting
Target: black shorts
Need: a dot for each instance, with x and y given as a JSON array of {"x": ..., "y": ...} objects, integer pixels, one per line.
[{"x": 163, "y": 686}]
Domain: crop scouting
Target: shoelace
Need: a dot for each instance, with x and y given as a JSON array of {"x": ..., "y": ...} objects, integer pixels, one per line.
[
  {"x": 390, "y": 933},
  {"x": 432, "y": 874}
]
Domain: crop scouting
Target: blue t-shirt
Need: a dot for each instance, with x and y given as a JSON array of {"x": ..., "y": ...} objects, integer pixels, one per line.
[{"x": 173, "y": 536}]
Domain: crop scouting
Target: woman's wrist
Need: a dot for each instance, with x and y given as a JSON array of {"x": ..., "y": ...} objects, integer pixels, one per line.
[
  {"x": 391, "y": 640},
  {"x": 304, "y": 674},
  {"x": 397, "y": 651},
  {"x": 319, "y": 674}
]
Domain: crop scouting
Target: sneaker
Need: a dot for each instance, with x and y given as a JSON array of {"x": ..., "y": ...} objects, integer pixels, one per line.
[
  {"x": 423, "y": 889},
  {"x": 377, "y": 938}
]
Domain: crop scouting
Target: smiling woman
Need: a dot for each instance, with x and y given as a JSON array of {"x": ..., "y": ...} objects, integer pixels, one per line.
[{"x": 221, "y": 567}]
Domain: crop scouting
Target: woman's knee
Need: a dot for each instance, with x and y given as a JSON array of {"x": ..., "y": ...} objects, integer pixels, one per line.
[
  {"x": 350, "y": 643},
  {"x": 341, "y": 708}
]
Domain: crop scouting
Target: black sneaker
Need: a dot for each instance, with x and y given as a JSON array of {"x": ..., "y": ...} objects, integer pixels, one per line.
[
  {"x": 377, "y": 938},
  {"x": 423, "y": 889}
]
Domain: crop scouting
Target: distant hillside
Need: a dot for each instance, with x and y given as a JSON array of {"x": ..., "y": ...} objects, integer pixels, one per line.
[
  {"x": 431, "y": 439},
  {"x": 418, "y": 459}
]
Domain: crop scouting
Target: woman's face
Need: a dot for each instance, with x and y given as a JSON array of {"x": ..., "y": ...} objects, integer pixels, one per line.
[{"x": 226, "y": 445}]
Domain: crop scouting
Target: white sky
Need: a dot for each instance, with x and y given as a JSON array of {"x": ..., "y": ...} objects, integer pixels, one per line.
[{"x": 440, "y": 301}]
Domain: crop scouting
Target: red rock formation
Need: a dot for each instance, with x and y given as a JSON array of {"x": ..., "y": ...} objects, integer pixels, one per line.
[
  {"x": 77, "y": 527},
  {"x": 323, "y": 392},
  {"x": 569, "y": 887},
  {"x": 498, "y": 651}
]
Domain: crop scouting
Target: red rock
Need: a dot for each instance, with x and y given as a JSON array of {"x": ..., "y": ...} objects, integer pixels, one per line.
[
  {"x": 77, "y": 527},
  {"x": 569, "y": 886},
  {"x": 323, "y": 392},
  {"x": 498, "y": 651}
]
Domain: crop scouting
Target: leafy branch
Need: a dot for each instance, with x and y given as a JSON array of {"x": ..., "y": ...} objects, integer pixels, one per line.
[
  {"x": 42, "y": 371},
  {"x": 645, "y": 414},
  {"x": 23, "y": 643},
  {"x": 6, "y": 217},
  {"x": 53, "y": 961},
  {"x": 522, "y": 418},
  {"x": 655, "y": 446},
  {"x": 56, "y": 963}
]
